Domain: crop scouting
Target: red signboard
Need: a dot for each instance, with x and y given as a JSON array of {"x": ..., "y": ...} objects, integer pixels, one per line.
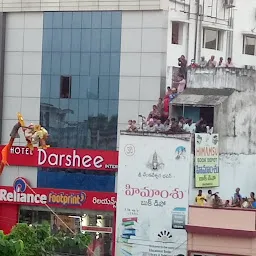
[
  {"x": 21, "y": 193},
  {"x": 66, "y": 158}
]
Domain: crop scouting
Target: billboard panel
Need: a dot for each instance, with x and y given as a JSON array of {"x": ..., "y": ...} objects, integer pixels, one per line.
[
  {"x": 206, "y": 160},
  {"x": 152, "y": 195}
]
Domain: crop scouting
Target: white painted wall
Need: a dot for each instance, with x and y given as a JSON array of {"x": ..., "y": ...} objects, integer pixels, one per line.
[
  {"x": 142, "y": 64},
  {"x": 245, "y": 21},
  {"x": 22, "y": 84},
  {"x": 23, "y": 57},
  {"x": 80, "y": 5}
]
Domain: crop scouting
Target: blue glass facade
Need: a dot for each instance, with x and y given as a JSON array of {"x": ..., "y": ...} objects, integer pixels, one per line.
[{"x": 84, "y": 46}]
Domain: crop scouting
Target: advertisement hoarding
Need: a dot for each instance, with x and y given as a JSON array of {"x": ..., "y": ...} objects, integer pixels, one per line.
[
  {"x": 66, "y": 158},
  {"x": 22, "y": 193},
  {"x": 152, "y": 203},
  {"x": 206, "y": 160}
]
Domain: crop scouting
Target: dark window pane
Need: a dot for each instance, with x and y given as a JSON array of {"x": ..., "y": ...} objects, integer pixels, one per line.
[
  {"x": 56, "y": 40},
  {"x": 57, "y": 20},
  {"x": 95, "y": 44},
  {"x": 249, "y": 45},
  {"x": 93, "y": 108},
  {"x": 115, "y": 40},
  {"x": 175, "y": 32},
  {"x": 56, "y": 60},
  {"x": 46, "y": 63},
  {"x": 115, "y": 64},
  {"x": 75, "y": 87},
  {"x": 219, "y": 44},
  {"x": 65, "y": 63},
  {"x": 83, "y": 110},
  {"x": 95, "y": 64},
  {"x": 93, "y": 90},
  {"x": 86, "y": 40},
  {"x": 73, "y": 114},
  {"x": 66, "y": 40},
  {"x": 106, "y": 20},
  {"x": 116, "y": 19},
  {"x": 77, "y": 20},
  {"x": 67, "y": 19},
  {"x": 48, "y": 16},
  {"x": 55, "y": 87},
  {"x": 82, "y": 133},
  {"x": 54, "y": 124},
  {"x": 84, "y": 87},
  {"x": 65, "y": 86},
  {"x": 63, "y": 122},
  {"x": 114, "y": 88},
  {"x": 45, "y": 86},
  {"x": 75, "y": 63},
  {"x": 96, "y": 19},
  {"x": 93, "y": 132},
  {"x": 104, "y": 63},
  {"x": 55, "y": 105},
  {"x": 113, "y": 108},
  {"x": 76, "y": 40},
  {"x": 85, "y": 64},
  {"x": 210, "y": 39},
  {"x": 104, "y": 87},
  {"x": 86, "y": 19},
  {"x": 105, "y": 40},
  {"x": 54, "y": 113},
  {"x": 47, "y": 40},
  {"x": 63, "y": 112},
  {"x": 44, "y": 112},
  {"x": 103, "y": 109}
]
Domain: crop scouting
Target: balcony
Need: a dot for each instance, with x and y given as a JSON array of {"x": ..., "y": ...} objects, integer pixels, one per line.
[
  {"x": 224, "y": 231},
  {"x": 222, "y": 78}
]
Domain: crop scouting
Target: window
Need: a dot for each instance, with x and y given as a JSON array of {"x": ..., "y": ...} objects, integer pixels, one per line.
[
  {"x": 65, "y": 87},
  {"x": 249, "y": 45},
  {"x": 212, "y": 39},
  {"x": 207, "y": 113},
  {"x": 177, "y": 31}
]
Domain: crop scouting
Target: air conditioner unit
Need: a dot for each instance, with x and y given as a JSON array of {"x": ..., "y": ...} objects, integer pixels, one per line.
[{"x": 229, "y": 3}]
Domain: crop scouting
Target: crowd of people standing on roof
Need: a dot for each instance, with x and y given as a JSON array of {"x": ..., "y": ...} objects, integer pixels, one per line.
[
  {"x": 158, "y": 119},
  {"x": 211, "y": 63},
  {"x": 214, "y": 200}
]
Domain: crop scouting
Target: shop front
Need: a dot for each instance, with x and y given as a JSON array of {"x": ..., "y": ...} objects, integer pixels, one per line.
[{"x": 76, "y": 211}]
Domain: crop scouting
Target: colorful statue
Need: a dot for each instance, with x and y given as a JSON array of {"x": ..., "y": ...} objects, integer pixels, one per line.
[{"x": 34, "y": 134}]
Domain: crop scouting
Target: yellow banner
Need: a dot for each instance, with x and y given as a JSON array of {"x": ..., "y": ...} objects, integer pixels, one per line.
[{"x": 206, "y": 160}]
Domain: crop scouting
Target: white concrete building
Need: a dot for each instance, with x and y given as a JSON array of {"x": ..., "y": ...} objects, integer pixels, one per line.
[
  {"x": 223, "y": 28},
  {"x": 82, "y": 66}
]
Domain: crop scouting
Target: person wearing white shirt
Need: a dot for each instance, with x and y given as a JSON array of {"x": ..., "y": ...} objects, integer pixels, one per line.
[
  {"x": 159, "y": 126},
  {"x": 189, "y": 126},
  {"x": 229, "y": 63},
  {"x": 221, "y": 64}
]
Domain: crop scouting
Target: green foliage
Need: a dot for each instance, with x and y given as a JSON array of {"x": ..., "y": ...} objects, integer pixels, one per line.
[
  {"x": 27, "y": 240},
  {"x": 10, "y": 247}
]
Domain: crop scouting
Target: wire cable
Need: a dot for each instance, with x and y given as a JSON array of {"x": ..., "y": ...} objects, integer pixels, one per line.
[{"x": 56, "y": 215}]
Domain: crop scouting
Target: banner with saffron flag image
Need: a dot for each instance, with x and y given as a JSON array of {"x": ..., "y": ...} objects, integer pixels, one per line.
[{"x": 152, "y": 195}]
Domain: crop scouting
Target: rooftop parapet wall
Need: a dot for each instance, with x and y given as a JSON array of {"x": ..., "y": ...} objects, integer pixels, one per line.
[
  {"x": 222, "y": 78},
  {"x": 82, "y": 5}
]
